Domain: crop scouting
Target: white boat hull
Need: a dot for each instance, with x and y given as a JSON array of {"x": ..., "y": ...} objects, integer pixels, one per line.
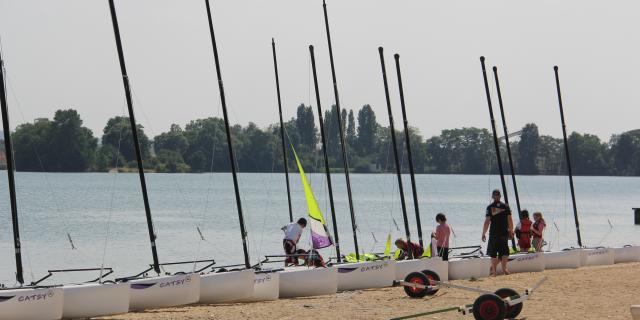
[
  {"x": 527, "y": 262},
  {"x": 94, "y": 300},
  {"x": 226, "y": 286},
  {"x": 626, "y": 254},
  {"x": 469, "y": 268},
  {"x": 566, "y": 259},
  {"x": 165, "y": 291},
  {"x": 31, "y": 304},
  {"x": 403, "y": 268},
  {"x": 266, "y": 287},
  {"x": 304, "y": 282},
  {"x": 365, "y": 275},
  {"x": 597, "y": 257}
]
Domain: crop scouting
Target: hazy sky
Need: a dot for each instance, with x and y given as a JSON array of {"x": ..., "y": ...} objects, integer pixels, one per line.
[{"x": 62, "y": 54}]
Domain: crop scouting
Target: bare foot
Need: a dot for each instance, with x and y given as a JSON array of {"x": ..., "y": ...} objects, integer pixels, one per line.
[{"x": 506, "y": 272}]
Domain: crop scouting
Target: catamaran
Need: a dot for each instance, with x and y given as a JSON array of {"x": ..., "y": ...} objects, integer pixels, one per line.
[
  {"x": 22, "y": 302},
  {"x": 158, "y": 291},
  {"x": 222, "y": 285},
  {"x": 94, "y": 298}
]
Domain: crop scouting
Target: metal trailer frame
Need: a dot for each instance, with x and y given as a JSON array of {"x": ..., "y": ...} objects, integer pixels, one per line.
[{"x": 468, "y": 308}]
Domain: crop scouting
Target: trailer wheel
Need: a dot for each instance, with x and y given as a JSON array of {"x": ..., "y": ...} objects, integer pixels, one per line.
[
  {"x": 514, "y": 310},
  {"x": 431, "y": 275},
  {"x": 489, "y": 307},
  {"x": 417, "y": 278}
]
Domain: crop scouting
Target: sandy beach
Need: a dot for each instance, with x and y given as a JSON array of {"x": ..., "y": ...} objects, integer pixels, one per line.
[{"x": 604, "y": 292}]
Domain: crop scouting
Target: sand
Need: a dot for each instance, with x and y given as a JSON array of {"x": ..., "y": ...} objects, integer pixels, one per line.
[{"x": 604, "y": 292}]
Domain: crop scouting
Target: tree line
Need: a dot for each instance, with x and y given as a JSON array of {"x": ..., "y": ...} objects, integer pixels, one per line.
[{"x": 63, "y": 144}]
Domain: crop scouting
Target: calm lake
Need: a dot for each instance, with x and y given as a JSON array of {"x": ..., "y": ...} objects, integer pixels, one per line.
[{"x": 104, "y": 215}]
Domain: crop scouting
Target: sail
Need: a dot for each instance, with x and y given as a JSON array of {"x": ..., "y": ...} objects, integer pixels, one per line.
[
  {"x": 387, "y": 247},
  {"x": 319, "y": 233}
]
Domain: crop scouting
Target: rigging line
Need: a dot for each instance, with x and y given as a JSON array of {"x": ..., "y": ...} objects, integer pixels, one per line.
[
  {"x": 48, "y": 187},
  {"x": 111, "y": 200}
]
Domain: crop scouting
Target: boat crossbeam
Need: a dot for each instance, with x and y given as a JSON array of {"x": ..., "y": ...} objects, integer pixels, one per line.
[{"x": 50, "y": 273}]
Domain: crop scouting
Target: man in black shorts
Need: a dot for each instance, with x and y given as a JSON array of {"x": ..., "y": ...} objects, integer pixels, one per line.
[{"x": 498, "y": 216}]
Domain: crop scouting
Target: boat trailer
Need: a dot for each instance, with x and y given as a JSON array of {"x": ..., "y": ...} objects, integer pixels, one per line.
[{"x": 504, "y": 303}]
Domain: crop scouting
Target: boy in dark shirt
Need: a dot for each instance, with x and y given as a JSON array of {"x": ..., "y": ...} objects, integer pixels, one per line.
[{"x": 498, "y": 217}]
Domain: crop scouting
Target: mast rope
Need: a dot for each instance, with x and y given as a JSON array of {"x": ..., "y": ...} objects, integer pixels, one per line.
[
  {"x": 107, "y": 235},
  {"x": 48, "y": 186}
]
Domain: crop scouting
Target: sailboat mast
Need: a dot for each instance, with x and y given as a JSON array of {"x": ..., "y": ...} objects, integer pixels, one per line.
[
  {"x": 234, "y": 174},
  {"x": 134, "y": 131},
  {"x": 324, "y": 153},
  {"x": 8, "y": 149},
  {"x": 566, "y": 152},
  {"x": 506, "y": 140},
  {"x": 408, "y": 142},
  {"x": 395, "y": 153},
  {"x": 345, "y": 158},
  {"x": 495, "y": 138},
  {"x": 284, "y": 147}
]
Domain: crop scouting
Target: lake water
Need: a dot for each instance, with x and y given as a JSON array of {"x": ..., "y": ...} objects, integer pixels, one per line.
[{"x": 104, "y": 214}]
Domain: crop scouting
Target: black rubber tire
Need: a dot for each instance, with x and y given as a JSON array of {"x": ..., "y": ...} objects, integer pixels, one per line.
[
  {"x": 489, "y": 307},
  {"x": 431, "y": 275},
  {"x": 419, "y": 278},
  {"x": 511, "y": 311}
]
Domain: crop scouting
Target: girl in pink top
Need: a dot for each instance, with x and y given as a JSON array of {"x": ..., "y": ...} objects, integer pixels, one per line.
[
  {"x": 442, "y": 236},
  {"x": 537, "y": 231}
]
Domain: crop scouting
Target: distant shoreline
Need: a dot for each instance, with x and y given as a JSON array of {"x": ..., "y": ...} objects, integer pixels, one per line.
[{"x": 334, "y": 171}]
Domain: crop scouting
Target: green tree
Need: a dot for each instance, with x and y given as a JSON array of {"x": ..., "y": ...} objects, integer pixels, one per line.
[
  {"x": 174, "y": 140},
  {"x": 74, "y": 144},
  {"x": 367, "y": 131},
  {"x": 170, "y": 161},
  {"x": 61, "y": 145},
  {"x": 587, "y": 154},
  {"x": 333, "y": 136},
  {"x": 527, "y": 150},
  {"x": 117, "y": 133},
  {"x": 550, "y": 156},
  {"x": 31, "y": 145},
  {"x": 350, "y": 135},
  {"x": 307, "y": 131},
  {"x": 623, "y": 151},
  {"x": 258, "y": 150},
  {"x": 207, "y": 145}
]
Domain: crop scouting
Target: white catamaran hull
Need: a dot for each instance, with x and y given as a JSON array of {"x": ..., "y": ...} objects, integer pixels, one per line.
[
  {"x": 94, "y": 300},
  {"x": 165, "y": 291},
  {"x": 597, "y": 257},
  {"x": 469, "y": 268},
  {"x": 565, "y": 259},
  {"x": 626, "y": 254},
  {"x": 403, "y": 268},
  {"x": 366, "y": 275},
  {"x": 31, "y": 304},
  {"x": 266, "y": 287},
  {"x": 226, "y": 286},
  {"x": 527, "y": 262},
  {"x": 304, "y": 282}
]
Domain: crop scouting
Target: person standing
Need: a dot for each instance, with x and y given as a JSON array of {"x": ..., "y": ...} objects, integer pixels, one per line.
[
  {"x": 443, "y": 231},
  {"x": 498, "y": 217},
  {"x": 538, "y": 229},
  {"x": 292, "y": 233}
]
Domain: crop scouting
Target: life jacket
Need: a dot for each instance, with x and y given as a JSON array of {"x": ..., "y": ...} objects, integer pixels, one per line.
[
  {"x": 525, "y": 229},
  {"x": 351, "y": 257}
]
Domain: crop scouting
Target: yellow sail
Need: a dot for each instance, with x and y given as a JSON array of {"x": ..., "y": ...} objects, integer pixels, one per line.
[
  {"x": 319, "y": 234},
  {"x": 387, "y": 247}
]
